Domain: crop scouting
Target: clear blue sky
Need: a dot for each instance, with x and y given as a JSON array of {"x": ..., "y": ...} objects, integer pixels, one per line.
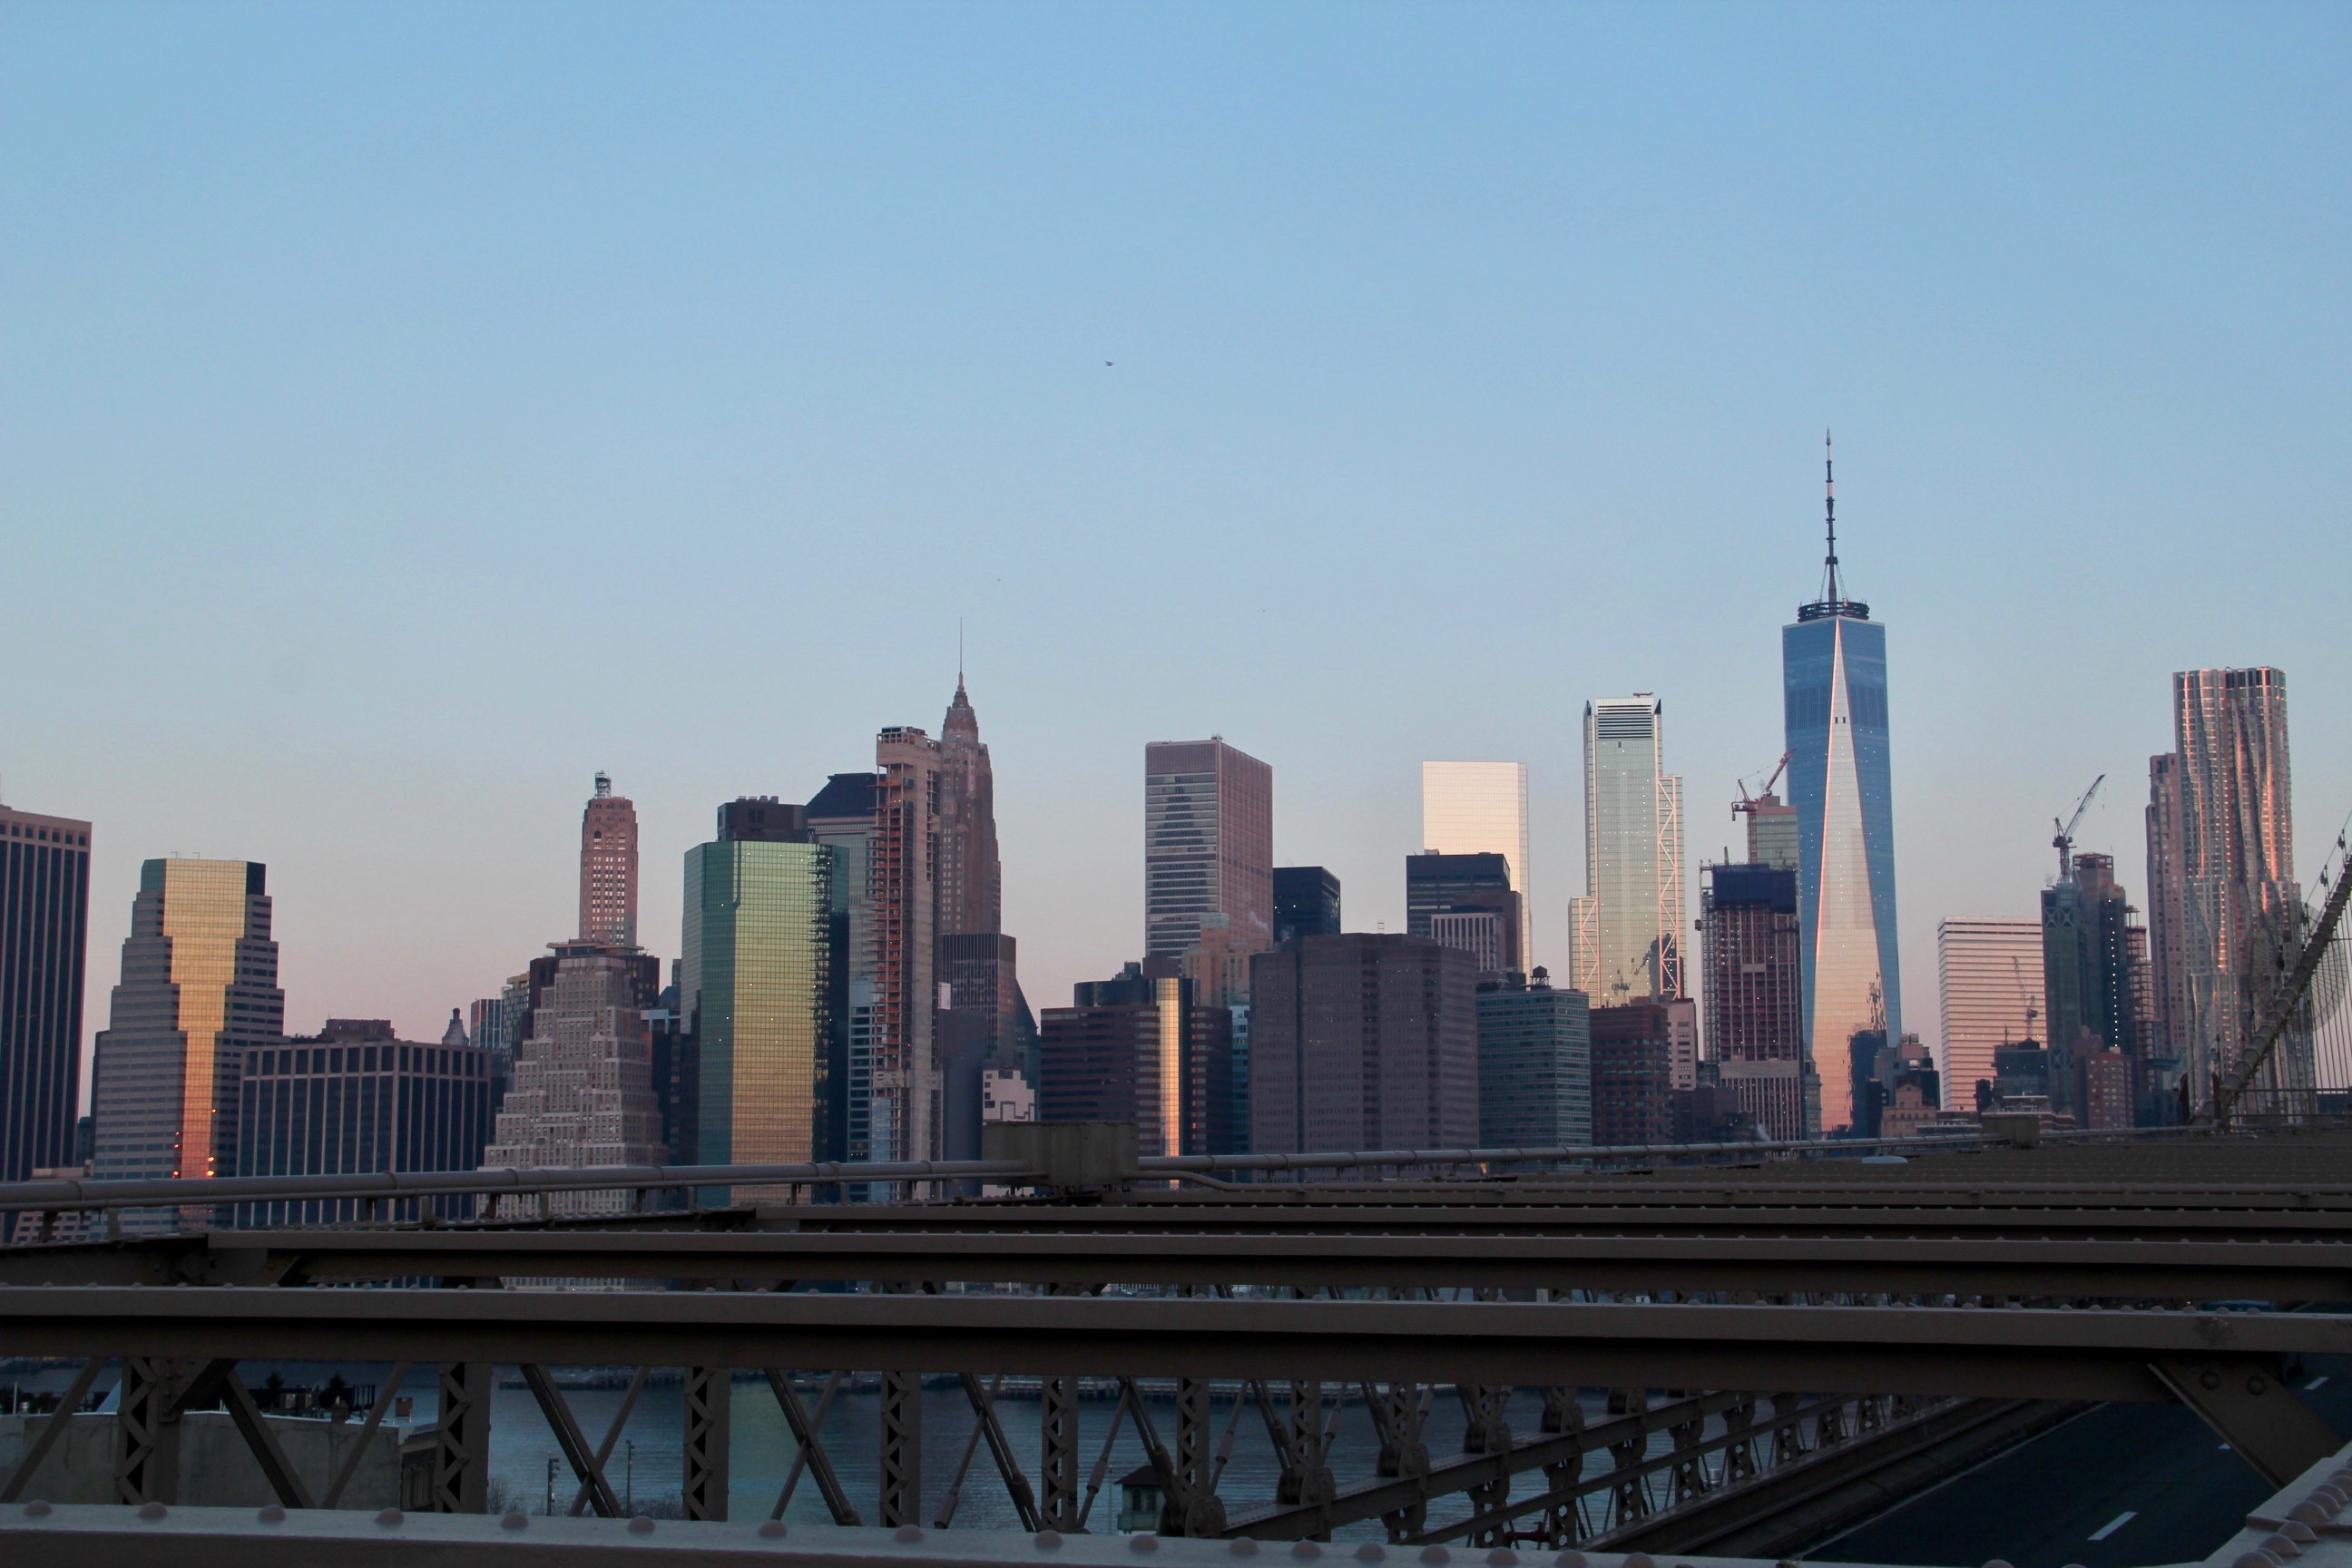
[{"x": 406, "y": 411}]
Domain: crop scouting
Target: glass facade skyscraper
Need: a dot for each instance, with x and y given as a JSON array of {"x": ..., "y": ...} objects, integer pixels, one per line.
[
  {"x": 1625, "y": 936},
  {"x": 754, "y": 984},
  {"x": 1481, "y": 808},
  {"x": 1834, "y": 687}
]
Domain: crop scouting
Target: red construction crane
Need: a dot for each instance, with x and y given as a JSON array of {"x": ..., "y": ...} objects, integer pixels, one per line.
[{"x": 1748, "y": 802}]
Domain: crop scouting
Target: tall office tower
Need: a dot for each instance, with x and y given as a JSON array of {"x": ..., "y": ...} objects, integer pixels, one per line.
[
  {"x": 1833, "y": 677},
  {"x": 1626, "y": 933},
  {"x": 1535, "y": 1065},
  {"x": 1208, "y": 847},
  {"x": 755, "y": 972},
  {"x": 841, "y": 814},
  {"x": 1989, "y": 976},
  {"x": 2168, "y": 948},
  {"x": 608, "y": 868},
  {"x": 1306, "y": 903},
  {"x": 1140, "y": 1048},
  {"x": 1363, "y": 1041},
  {"x": 902, "y": 886},
  {"x": 44, "y": 933},
  {"x": 1632, "y": 1073},
  {"x": 2086, "y": 977},
  {"x": 199, "y": 986},
  {"x": 353, "y": 1100},
  {"x": 1752, "y": 977},
  {"x": 1772, "y": 834},
  {"x": 971, "y": 896},
  {"x": 583, "y": 1091},
  {"x": 1477, "y": 888},
  {"x": 1481, "y": 808},
  {"x": 2230, "y": 856}
]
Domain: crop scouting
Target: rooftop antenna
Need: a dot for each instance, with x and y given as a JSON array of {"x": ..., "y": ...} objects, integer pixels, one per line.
[
  {"x": 958, "y": 653},
  {"x": 1829, "y": 486},
  {"x": 603, "y": 785}
]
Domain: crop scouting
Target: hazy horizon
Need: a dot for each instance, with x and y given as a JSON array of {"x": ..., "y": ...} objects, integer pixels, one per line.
[{"x": 410, "y": 412}]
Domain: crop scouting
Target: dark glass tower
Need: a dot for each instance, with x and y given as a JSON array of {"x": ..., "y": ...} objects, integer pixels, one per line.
[
  {"x": 44, "y": 925},
  {"x": 1833, "y": 678}
]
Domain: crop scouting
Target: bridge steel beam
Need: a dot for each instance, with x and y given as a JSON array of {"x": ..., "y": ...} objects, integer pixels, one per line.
[
  {"x": 2027, "y": 1268},
  {"x": 2004, "y": 1353}
]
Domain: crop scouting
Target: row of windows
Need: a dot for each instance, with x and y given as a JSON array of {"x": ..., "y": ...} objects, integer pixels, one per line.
[
  {"x": 456, "y": 1062},
  {"x": 47, "y": 835}
]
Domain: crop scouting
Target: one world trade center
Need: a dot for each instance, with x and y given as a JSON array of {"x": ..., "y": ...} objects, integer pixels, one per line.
[{"x": 1834, "y": 685}]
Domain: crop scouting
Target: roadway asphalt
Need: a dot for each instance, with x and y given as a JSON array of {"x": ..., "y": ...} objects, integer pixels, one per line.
[{"x": 2150, "y": 1482}]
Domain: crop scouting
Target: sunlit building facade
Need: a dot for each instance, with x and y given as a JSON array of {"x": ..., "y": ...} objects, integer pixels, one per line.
[
  {"x": 1833, "y": 678},
  {"x": 608, "y": 868},
  {"x": 1626, "y": 933},
  {"x": 44, "y": 933},
  {"x": 1989, "y": 987},
  {"x": 1481, "y": 808},
  {"x": 199, "y": 986},
  {"x": 755, "y": 988},
  {"x": 2229, "y": 859}
]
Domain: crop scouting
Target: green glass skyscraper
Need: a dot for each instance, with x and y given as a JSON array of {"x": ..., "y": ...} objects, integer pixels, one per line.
[{"x": 756, "y": 984}]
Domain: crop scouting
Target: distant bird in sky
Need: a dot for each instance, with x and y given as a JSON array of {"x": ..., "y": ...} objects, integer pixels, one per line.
[{"x": 1106, "y": 362}]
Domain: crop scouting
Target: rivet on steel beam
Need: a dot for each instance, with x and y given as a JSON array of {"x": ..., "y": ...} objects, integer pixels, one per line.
[
  {"x": 2299, "y": 1532},
  {"x": 152, "y": 1511},
  {"x": 272, "y": 1513},
  {"x": 907, "y": 1532},
  {"x": 1434, "y": 1554},
  {"x": 389, "y": 1516},
  {"x": 772, "y": 1529},
  {"x": 642, "y": 1525},
  {"x": 1501, "y": 1557},
  {"x": 1371, "y": 1552},
  {"x": 2255, "y": 1560},
  {"x": 37, "y": 1508},
  {"x": 1242, "y": 1546},
  {"x": 2209, "y": 1378},
  {"x": 1578, "y": 1559},
  {"x": 1047, "y": 1540},
  {"x": 1306, "y": 1551},
  {"x": 1145, "y": 1542},
  {"x": 2257, "y": 1385},
  {"x": 515, "y": 1520}
]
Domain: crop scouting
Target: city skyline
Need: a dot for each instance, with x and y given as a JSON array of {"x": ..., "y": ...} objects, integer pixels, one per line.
[{"x": 1475, "y": 322}]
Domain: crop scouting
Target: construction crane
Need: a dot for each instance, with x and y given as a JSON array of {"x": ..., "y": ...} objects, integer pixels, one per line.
[
  {"x": 2064, "y": 840},
  {"x": 1748, "y": 802},
  {"x": 2024, "y": 995}
]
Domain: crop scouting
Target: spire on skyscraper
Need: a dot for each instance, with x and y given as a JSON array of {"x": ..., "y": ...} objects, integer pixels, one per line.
[
  {"x": 1829, "y": 497},
  {"x": 1833, "y": 601}
]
